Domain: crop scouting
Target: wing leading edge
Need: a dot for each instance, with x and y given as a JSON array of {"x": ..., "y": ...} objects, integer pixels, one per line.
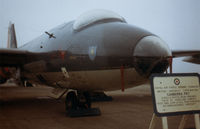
[
  {"x": 15, "y": 57},
  {"x": 12, "y": 57},
  {"x": 191, "y": 56}
]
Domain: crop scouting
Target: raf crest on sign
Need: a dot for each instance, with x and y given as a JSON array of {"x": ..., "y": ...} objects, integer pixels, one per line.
[{"x": 176, "y": 81}]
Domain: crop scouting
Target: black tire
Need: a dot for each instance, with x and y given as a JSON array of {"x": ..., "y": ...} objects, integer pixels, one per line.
[
  {"x": 88, "y": 99},
  {"x": 2, "y": 80},
  {"x": 28, "y": 84},
  {"x": 71, "y": 101}
]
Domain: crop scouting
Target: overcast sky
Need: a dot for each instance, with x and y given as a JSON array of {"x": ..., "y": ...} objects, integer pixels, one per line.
[{"x": 177, "y": 22}]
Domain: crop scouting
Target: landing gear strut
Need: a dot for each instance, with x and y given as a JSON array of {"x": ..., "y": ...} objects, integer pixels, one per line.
[{"x": 80, "y": 105}]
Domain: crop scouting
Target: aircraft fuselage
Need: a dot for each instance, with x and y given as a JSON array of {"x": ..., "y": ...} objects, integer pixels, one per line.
[{"x": 91, "y": 58}]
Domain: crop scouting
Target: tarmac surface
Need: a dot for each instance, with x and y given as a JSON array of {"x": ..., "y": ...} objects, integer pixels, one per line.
[{"x": 131, "y": 109}]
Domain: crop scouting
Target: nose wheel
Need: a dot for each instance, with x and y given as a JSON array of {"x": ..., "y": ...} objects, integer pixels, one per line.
[
  {"x": 71, "y": 101},
  {"x": 79, "y": 104}
]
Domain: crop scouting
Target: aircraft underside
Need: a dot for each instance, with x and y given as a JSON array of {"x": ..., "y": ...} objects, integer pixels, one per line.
[{"x": 89, "y": 80}]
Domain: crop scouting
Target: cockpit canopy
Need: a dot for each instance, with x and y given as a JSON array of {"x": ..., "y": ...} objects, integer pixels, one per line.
[{"x": 94, "y": 16}]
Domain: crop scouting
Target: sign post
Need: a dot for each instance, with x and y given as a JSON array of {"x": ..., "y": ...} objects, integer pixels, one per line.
[
  {"x": 183, "y": 121},
  {"x": 176, "y": 94},
  {"x": 196, "y": 118}
]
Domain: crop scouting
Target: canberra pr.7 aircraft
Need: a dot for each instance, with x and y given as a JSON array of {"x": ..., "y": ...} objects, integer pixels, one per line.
[{"x": 99, "y": 51}]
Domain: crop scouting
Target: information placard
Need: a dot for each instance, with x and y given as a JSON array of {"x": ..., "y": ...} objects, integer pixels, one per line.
[{"x": 175, "y": 94}]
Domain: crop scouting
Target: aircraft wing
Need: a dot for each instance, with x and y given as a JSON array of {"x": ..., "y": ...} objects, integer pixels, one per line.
[
  {"x": 17, "y": 57},
  {"x": 191, "y": 56},
  {"x": 12, "y": 57}
]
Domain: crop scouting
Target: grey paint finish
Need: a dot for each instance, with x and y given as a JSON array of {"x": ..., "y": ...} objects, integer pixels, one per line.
[{"x": 111, "y": 39}]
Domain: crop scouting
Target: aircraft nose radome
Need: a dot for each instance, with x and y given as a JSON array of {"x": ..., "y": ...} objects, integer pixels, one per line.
[{"x": 152, "y": 46}]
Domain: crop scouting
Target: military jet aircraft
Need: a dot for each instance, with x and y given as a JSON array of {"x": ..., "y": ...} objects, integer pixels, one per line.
[{"x": 99, "y": 51}]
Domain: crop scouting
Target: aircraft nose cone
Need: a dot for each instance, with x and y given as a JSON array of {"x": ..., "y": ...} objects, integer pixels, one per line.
[
  {"x": 151, "y": 56},
  {"x": 152, "y": 46}
]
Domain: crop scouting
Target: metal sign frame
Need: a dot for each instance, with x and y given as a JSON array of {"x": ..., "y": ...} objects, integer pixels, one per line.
[{"x": 154, "y": 97}]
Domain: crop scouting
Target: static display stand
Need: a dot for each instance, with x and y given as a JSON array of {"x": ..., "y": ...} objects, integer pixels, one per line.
[{"x": 175, "y": 94}]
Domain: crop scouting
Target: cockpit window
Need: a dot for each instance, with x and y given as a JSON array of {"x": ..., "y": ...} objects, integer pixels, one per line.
[{"x": 94, "y": 16}]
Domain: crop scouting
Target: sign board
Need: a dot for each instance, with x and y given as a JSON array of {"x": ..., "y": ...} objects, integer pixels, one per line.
[{"x": 175, "y": 94}]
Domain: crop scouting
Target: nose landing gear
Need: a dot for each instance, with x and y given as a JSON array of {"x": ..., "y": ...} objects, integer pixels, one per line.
[{"x": 79, "y": 104}]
